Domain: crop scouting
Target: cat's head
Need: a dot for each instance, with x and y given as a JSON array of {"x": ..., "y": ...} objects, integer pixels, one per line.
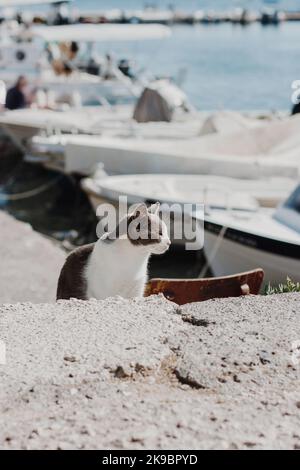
[{"x": 145, "y": 229}]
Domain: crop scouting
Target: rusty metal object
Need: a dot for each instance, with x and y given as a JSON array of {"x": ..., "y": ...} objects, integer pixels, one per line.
[{"x": 183, "y": 291}]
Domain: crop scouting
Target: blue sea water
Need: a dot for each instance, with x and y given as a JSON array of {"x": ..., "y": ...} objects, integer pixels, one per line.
[{"x": 228, "y": 66}]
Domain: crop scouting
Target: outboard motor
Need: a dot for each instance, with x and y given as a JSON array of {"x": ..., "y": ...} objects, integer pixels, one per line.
[{"x": 159, "y": 101}]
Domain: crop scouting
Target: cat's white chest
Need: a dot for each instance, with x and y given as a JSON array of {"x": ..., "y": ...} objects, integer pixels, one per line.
[
  {"x": 112, "y": 272},
  {"x": 98, "y": 288}
]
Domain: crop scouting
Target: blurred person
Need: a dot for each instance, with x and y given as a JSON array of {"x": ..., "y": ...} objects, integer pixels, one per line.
[
  {"x": 16, "y": 96},
  {"x": 295, "y": 109},
  {"x": 125, "y": 67},
  {"x": 74, "y": 50},
  {"x": 109, "y": 67}
]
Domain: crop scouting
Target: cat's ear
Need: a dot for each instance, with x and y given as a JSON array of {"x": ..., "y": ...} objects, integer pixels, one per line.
[
  {"x": 154, "y": 209},
  {"x": 138, "y": 210}
]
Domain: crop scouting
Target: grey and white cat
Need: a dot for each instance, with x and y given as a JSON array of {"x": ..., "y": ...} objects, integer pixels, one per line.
[{"x": 117, "y": 263}]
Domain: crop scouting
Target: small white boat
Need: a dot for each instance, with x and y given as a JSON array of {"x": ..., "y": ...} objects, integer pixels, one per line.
[
  {"x": 213, "y": 191},
  {"x": 41, "y": 53},
  {"x": 24, "y": 3},
  {"x": 118, "y": 120},
  {"x": 176, "y": 119},
  {"x": 269, "y": 150},
  {"x": 178, "y": 195},
  {"x": 23, "y": 124},
  {"x": 267, "y": 239}
]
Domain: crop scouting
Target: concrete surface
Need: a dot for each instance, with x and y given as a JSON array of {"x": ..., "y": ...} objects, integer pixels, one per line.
[
  {"x": 29, "y": 263},
  {"x": 130, "y": 374}
]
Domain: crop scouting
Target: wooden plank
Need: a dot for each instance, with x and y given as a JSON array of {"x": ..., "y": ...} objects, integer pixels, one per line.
[{"x": 182, "y": 291}]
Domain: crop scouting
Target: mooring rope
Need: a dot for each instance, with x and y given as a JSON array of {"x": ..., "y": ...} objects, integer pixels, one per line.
[
  {"x": 31, "y": 193},
  {"x": 213, "y": 252}
]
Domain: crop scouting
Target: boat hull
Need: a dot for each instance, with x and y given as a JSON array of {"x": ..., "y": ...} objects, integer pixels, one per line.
[
  {"x": 238, "y": 253},
  {"x": 83, "y": 155}
]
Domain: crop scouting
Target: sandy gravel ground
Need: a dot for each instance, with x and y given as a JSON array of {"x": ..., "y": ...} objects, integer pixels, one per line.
[
  {"x": 29, "y": 263},
  {"x": 147, "y": 374}
]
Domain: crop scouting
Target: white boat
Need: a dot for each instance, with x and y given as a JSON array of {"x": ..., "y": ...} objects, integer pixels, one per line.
[
  {"x": 176, "y": 194},
  {"x": 43, "y": 54},
  {"x": 269, "y": 150},
  {"x": 267, "y": 239},
  {"x": 213, "y": 191},
  {"x": 231, "y": 145},
  {"x": 23, "y": 124},
  {"x": 24, "y": 3},
  {"x": 122, "y": 120},
  {"x": 10, "y": 8}
]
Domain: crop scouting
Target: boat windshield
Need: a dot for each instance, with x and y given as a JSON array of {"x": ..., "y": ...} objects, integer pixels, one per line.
[{"x": 289, "y": 213}]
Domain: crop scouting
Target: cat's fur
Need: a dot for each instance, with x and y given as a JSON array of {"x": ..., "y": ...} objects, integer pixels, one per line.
[{"x": 117, "y": 263}]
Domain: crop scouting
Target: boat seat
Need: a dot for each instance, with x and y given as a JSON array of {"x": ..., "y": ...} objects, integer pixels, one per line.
[{"x": 183, "y": 291}]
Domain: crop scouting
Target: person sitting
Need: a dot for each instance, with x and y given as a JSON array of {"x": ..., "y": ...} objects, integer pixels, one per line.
[
  {"x": 125, "y": 67},
  {"x": 15, "y": 97},
  {"x": 109, "y": 67},
  {"x": 295, "y": 109}
]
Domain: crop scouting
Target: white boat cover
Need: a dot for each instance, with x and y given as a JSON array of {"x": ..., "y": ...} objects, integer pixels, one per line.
[
  {"x": 272, "y": 138},
  {"x": 101, "y": 32},
  {"x": 228, "y": 122},
  {"x": 16, "y": 3}
]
